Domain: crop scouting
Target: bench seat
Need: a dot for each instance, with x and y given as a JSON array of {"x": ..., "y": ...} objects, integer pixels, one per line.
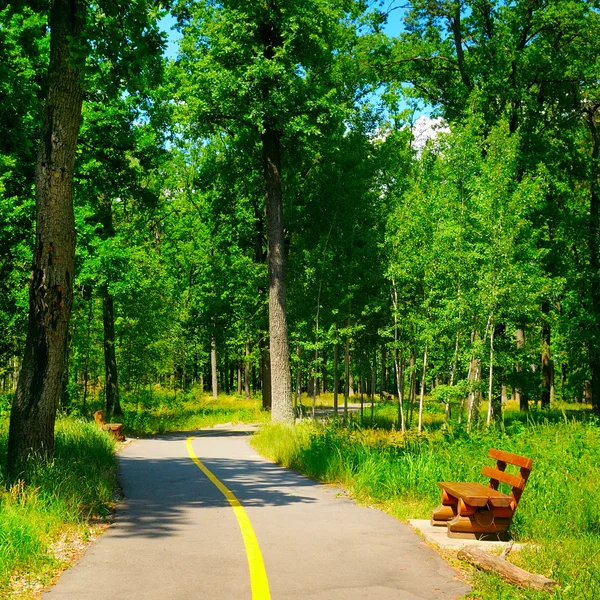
[{"x": 476, "y": 494}]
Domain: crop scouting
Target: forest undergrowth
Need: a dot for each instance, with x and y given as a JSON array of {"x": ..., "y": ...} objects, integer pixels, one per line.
[
  {"x": 161, "y": 411},
  {"x": 559, "y": 514},
  {"x": 61, "y": 505}
]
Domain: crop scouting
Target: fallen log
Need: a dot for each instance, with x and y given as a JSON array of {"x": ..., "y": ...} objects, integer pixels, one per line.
[{"x": 510, "y": 572}]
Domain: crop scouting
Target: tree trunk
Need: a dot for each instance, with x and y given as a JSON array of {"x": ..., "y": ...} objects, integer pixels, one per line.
[
  {"x": 490, "y": 411},
  {"x": 474, "y": 376},
  {"x": 213, "y": 367},
  {"x": 111, "y": 380},
  {"x": 413, "y": 385},
  {"x": 546, "y": 361},
  {"x": 594, "y": 257},
  {"x": 522, "y": 392},
  {"x": 281, "y": 384},
  {"x": 346, "y": 376},
  {"x": 336, "y": 372},
  {"x": 87, "y": 356},
  {"x": 265, "y": 376},
  {"x": 51, "y": 291},
  {"x": 247, "y": 371},
  {"x": 298, "y": 377},
  {"x": 383, "y": 389},
  {"x": 422, "y": 398}
]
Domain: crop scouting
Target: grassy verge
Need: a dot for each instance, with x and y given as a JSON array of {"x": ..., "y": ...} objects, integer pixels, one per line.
[
  {"x": 57, "y": 504},
  {"x": 559, "y": 511},
  {"x": 63, "y": 503},
  {"x": 163, "y": 411}
]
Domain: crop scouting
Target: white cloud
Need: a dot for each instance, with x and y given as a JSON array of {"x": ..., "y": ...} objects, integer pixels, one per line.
[{"x": 425, "y": 128}]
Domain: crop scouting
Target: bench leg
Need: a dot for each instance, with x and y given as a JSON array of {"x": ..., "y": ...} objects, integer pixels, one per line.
[
  {"x": 442, "y": 514},
  {"x": 479, "y": 525},
  {"x": 446, "y": 511}
]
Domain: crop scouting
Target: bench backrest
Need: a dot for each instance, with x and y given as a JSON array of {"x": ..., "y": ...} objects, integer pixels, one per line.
[
  {"x": 499, "y": 475},
  {"x": 99, "y": 417}
]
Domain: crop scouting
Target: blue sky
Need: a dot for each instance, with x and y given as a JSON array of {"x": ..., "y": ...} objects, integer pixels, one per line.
[{"x": 167, "y": 24}]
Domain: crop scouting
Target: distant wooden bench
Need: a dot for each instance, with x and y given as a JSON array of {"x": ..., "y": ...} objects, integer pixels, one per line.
[
  {"x": 474, "y": 511},
  {"x": 115, "y": 428}
]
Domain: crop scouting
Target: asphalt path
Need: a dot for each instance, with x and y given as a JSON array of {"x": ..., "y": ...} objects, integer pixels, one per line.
[{"x": 178, "y": 536}]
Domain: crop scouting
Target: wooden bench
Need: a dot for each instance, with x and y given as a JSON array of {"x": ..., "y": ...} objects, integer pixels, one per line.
[
  {"x": 474, "y": 511},
  {"x": 115, "y": 428}
]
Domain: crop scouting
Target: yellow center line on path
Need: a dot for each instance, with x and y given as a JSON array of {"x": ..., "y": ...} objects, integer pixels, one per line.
[{"x": 258, "y": 574}]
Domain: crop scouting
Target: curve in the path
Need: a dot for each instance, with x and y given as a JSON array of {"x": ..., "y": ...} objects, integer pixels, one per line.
[
  {"x": 176, "y": 537},
  {"x": 258, "y": 575}
]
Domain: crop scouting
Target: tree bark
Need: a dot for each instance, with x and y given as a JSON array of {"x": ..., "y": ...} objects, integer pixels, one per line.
[
  {"x": 281, "y": 384},
  {"x": 383, "y": 388},
  {"x": 36, "y": 399},
  {"x": 213, "y": 367},
  {"x": 111, "y": 378},
  {"x": 265, "y": 376},
  {"x": 522, "y": 392},
  {"x": 490, "y": 411},
  {"x": 510, "y": 572},
  {"x": 247, "y": 371},
  {"x": 594, "y": 257},
  {"x": 546, "y": 361},
  {"x": 298, "y": 377},
  {"x": 413, "y": 385},
  {"x": 336, "y": 372},
  {"x": 346, "y": 376},
  {"x": 422, "y": 398}
]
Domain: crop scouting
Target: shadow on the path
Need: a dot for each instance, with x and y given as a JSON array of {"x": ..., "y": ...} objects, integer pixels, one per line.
[{"x": 159, "y": 492}]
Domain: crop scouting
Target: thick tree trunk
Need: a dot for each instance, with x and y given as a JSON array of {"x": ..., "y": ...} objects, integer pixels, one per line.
[
  {"x": 51, "y": 291},
  {"x": 111, "y": 379},
  {"x": 213, "y": 367},
  {"x": 281, "y": 384},
  {"x": 546, "y": 361}
]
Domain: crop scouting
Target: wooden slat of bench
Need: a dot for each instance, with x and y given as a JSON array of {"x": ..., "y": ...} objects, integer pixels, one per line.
[
  {"x": 513, "y": 459},
  {"x": 504, "y": 477},
  {"x": 475, "y": 494}
]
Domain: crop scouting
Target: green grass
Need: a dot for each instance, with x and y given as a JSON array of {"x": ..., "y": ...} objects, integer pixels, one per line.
[
  {"x": 163, "y": 411},
  {"x": 559, "y": 511},
  {"x": 59, "y": 498}
]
